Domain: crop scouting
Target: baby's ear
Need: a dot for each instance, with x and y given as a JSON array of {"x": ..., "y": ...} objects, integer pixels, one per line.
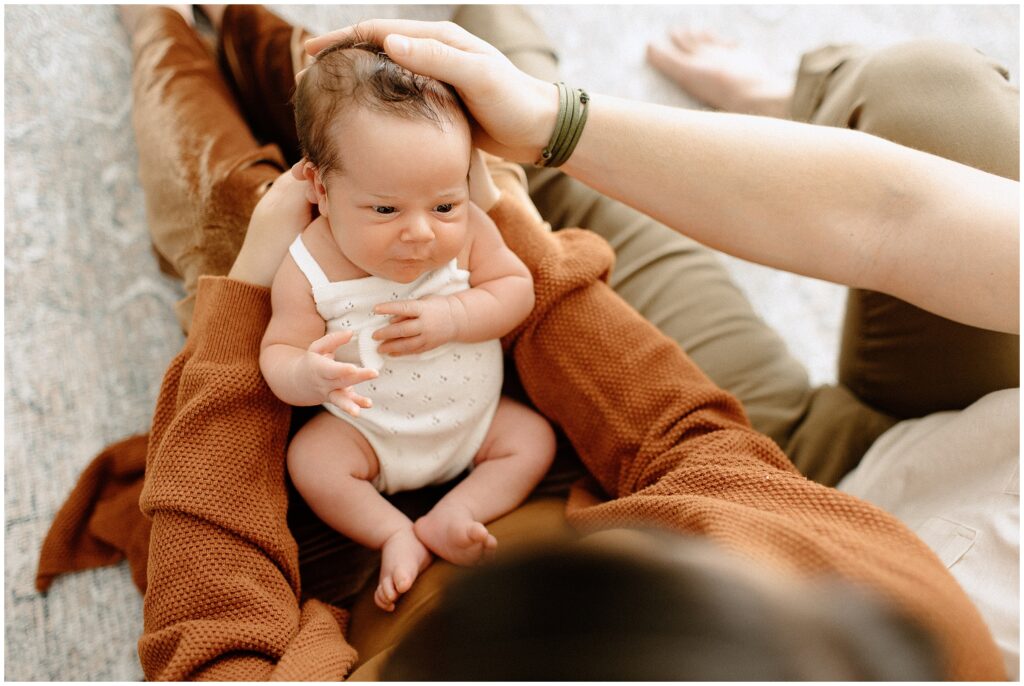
[{"x": 317, "y": 194}]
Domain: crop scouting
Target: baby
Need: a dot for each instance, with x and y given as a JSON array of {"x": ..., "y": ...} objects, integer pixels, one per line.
[{"x": 402, "y": 286}]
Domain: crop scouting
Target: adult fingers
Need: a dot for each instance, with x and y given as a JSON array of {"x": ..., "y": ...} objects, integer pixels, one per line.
[
  {"x": 379, "y": 29},
  {"x": 469, "y": 72},
  {"x": 442, "y": 50},
  {"x": 669, "y": 60},
  {"x": 684, "y": 38}
]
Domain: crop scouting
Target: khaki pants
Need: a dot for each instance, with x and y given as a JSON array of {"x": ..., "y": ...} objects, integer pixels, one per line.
[{"x": 212, "y": 137}]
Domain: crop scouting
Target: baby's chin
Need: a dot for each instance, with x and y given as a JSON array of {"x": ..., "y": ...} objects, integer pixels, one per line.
[{"x": 405, "y": 271}]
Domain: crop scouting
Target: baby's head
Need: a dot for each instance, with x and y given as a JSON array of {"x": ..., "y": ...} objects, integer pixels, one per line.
[{"x": 388, "y": 154}]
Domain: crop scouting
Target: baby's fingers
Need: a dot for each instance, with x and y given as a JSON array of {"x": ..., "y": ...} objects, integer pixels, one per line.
[
  {"x": 326, "y": 345},
  {"x": 403, "y": 329},
  {"x": 401, "y": 308},
  {"x": 347, "y": 401},
  {"x": 403, "y": 346},
  {"x": 346, "y": 374}
]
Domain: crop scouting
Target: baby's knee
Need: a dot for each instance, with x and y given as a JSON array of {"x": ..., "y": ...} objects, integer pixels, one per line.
[
  {"x": 533, "y": 434},
  {"x": 521, "y": 430},
  {"x": 301, "y": 458},
  {"x": 322, "y": 454}
]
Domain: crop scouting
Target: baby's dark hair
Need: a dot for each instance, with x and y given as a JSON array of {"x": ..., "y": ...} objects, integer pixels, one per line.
[{"x": 355, "y": 72}]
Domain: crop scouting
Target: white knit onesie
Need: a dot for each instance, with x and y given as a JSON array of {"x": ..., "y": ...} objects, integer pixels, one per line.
[{"x": 431, "y": 410}]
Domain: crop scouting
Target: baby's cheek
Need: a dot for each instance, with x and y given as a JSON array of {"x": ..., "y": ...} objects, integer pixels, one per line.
[{"x": 453, "y": 240}]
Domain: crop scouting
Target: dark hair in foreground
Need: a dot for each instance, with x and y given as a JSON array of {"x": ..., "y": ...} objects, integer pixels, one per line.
[
  {"x": 575, "y": 614},
  {"x": 358, "y": 73}
]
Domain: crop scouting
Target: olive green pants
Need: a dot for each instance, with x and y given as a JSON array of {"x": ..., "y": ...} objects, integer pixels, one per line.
[{"x": 211, "y": 137}]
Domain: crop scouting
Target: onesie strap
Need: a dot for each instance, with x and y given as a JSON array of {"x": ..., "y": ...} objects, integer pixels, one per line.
[{"x": 314, "y": 274}]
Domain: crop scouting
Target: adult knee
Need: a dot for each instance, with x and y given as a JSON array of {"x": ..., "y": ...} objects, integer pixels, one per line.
[{"x": 943, "y": 98}]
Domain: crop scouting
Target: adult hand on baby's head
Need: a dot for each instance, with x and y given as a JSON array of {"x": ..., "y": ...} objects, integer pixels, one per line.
[
  {"x": 515, "y": 113},
  {"x": 280, "y": 215}
]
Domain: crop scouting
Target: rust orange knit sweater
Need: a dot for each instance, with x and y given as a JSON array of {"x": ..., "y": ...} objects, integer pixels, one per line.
[{"x": 664, "y": 443}]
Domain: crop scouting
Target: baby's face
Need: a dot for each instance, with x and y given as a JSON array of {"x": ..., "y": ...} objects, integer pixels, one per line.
[{"x": 401, "y": 205}]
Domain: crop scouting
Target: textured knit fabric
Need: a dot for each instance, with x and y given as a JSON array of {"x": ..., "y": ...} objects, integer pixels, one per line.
[
  {"x": 100, "y": 523},
  {"x": 431, "y": 411},
  {"x": 669, "y": 448}
]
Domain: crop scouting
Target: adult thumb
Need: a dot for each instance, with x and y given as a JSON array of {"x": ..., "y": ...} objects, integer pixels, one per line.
[{"x": 434, "y": 58}]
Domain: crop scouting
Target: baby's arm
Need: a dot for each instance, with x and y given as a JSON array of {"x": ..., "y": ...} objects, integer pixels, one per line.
[
  {"x": 297, "y": 358},
  {"x": 499, "y": 298}
]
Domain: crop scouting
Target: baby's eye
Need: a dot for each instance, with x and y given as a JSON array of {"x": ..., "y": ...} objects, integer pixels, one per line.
[
  {"x": 383, "y": 209},
  {"x": 444, "y": 208}
]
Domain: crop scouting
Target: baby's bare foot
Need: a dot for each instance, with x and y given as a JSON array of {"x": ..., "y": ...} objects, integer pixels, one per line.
[
  {"x": 452, "y": 533},
  {"x": 403, "y": 557},
  {"x": 721, "y": 74}
]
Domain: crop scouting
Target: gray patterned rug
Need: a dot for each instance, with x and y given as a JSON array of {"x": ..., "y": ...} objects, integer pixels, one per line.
[{"x": 89, "y": 327}]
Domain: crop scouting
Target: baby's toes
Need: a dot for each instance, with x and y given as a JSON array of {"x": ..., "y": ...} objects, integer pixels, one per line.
[
  {"x": 385, "y": 595},
  {"x": 477, "y": 534},
  {"x": 402, "y": 581}
]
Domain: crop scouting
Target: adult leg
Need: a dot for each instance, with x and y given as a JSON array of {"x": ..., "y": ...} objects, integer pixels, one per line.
[
  {"x": 201, "y": 169},
  {"x": 673, "y": 281},
  {"x": 948, "y": 100},
  {"x": 260, "y": 53}
]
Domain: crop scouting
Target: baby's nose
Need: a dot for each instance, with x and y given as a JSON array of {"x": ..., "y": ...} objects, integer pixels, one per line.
[{"x": 418, "y": 229}]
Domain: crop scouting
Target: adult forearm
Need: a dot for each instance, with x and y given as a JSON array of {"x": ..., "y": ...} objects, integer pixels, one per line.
[
  {"x": 222, "y": 600},
  {"x": 824, "y": 202}
]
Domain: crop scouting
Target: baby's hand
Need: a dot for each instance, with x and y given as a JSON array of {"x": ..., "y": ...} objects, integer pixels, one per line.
[
  {"x": 419, "y": 325},
  {"x": 332, "y": 379}
]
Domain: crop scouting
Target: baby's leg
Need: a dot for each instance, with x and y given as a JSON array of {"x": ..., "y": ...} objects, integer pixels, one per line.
[
  {"x": 515, "y": 455},
  {"x": 331, "y": 465}
]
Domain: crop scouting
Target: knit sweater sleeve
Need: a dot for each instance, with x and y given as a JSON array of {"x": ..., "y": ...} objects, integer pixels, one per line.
[
  {"x": 223, "y": 595},
  {"x": 673, "y": 450}
]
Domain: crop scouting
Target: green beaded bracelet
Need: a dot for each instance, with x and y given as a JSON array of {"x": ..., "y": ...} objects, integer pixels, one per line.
[{"x": 572, "y": 115}]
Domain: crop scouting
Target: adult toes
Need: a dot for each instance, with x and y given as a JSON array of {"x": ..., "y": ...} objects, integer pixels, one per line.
[
  {"x": 668, "y": 60},
  {"x": 685, "y": 39}
]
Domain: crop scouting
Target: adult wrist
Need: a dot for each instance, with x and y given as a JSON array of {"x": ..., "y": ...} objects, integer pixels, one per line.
[
  {"x": 570, "y": 118},
  {"x": 547, "y": 118}
]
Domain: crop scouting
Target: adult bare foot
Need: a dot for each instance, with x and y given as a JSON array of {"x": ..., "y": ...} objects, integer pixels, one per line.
[
  {"x": 452, "y": 533},
  {"x": 403, "y": 557},
  {"x": 720, "y": 73}
]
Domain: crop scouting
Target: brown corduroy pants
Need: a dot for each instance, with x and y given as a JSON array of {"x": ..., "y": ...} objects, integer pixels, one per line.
[{"x": 212, "y": 136}]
